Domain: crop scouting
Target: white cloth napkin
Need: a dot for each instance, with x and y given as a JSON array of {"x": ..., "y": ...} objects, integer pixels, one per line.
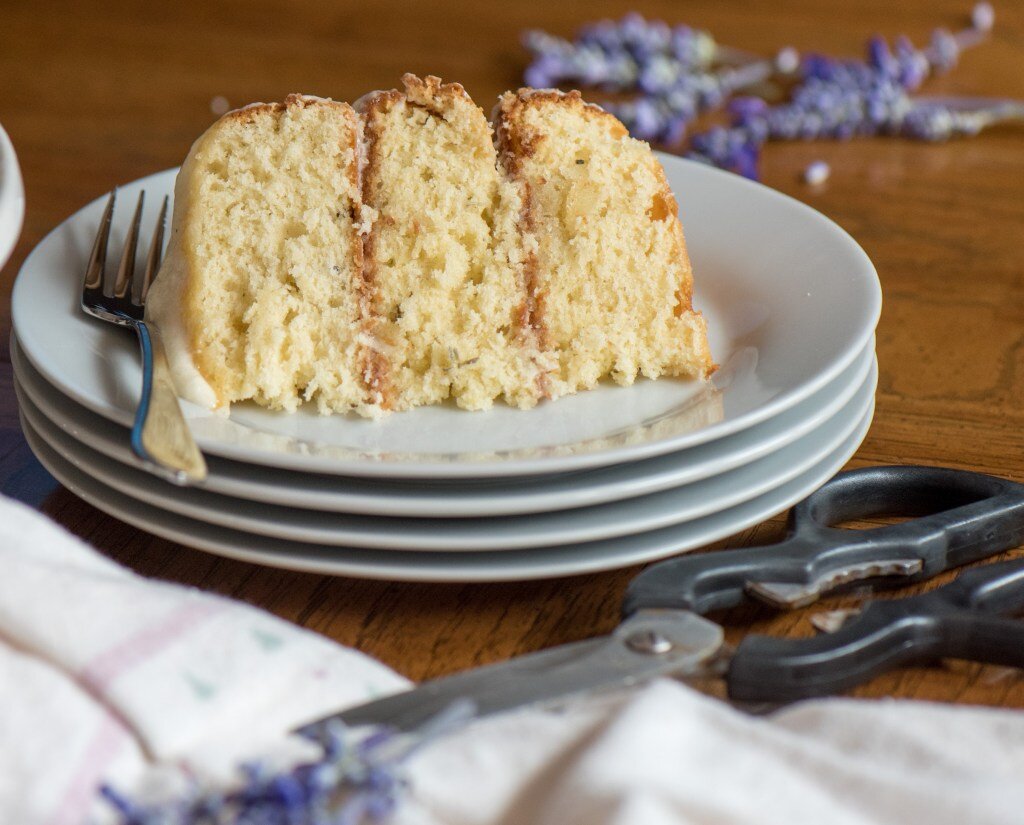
[
  {"x": 105, "y": 675},
  {"x": 108, "y": 677}
]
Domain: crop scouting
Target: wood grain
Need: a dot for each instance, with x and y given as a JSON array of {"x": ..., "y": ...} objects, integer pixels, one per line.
[{"x": 97, "y": 95}]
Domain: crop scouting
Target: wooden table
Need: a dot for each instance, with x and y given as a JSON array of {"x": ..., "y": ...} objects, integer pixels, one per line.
[{"x": 96, "y": 97}]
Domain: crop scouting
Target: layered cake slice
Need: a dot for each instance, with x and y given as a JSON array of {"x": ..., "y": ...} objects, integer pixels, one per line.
[
  {"x": 442, "y": 255},
  {"x": 392, "y": 258},
  {"x": 606, "y": 263},
  {"x": 259, "y": 295}
]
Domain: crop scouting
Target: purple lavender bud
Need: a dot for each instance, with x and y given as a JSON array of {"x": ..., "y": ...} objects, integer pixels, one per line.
[
  {"x": 379, "y": 737},
  {"x": 675, "y": 129},
  {"x": 846, "y": 129},
  {"x": 704, "y": 141},
  {"x": 682, "y": 44},
  {"x": 604, "y": 33},
  {"x": 287, "y": 792},
  {"x": 784, "y": 123},
  {"x": 811, "y": 126},
  {"x": 541, "y": 43},
  {"x": 983, "y": 17},
  {"x": 742, "y": 109},
  {"x": 621, "y": 71},
  {"x": 677, "y": 105},
  {"x": 647, "y": 120},
  {"x": 648, "y": 39},
  {"x": 380, "y": 807},
  {"x": 817, "y": 96},
  {"x": 124, "y": 806},
  {"x": 658, "y": 75},
  {"x": 912, "y": 65},
  {"x": 816, "y": 66},
  {"x": 880, "y": 57},
  {"x": 632, "y": 27},
  {"x": 546, "y": 71},
  {"x": 659, "y": 34},
  {"x": 536, "y": 77},
  {"x": 944, "y": 50},
  {"x": 380, "y": 778},
  {"x": 534, "y": 40},
  {"x": 591, "y": 68},
  {"x": 757, "y": 129},
  {"x": 744, "y": 161},
  {"x": 932, "y": 123},
  {"x": 876, "y": 109},
  {"x": 320, "y": 777}
]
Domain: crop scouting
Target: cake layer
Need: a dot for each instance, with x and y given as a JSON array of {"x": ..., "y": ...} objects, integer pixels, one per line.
[
  {"x": 439, "y": 253},
  {"x": 609, "y": 275},
  {"x": 261, "y": 280}
]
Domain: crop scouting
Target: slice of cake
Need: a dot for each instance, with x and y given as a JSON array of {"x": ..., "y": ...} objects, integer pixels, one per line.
[
  {"x": 607, "y": 268},
  {"x": 442, "y": 255},
  {"x": 393, "y": 258},
  {"x": 259, "y": 296}
]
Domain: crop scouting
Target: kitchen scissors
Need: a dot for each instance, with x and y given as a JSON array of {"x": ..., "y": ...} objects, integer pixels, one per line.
[{"x": 957, "y": 517}]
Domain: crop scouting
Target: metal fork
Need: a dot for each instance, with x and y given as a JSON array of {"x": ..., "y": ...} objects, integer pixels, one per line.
[{"x": 160, "y": 437}]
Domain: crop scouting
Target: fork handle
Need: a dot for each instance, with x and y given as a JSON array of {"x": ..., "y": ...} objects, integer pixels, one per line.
[{"x": 160, "y": 435}]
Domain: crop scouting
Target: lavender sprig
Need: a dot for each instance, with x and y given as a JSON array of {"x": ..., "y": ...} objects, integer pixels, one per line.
[
  {"x": 616, "y": 56},
  {"x": 665, "y": 112},
  {"x": 673, "y": 69},
  {"x": 840, "y": 99},
  {"x": 354, "y": 780},
  {"x": 674, "y": 72}
]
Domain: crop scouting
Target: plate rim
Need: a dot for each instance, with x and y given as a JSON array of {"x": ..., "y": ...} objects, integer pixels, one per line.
[
  {"x": 428, "y": 568},
  {"x": 582, "y": 495},
  {"x": 867, "y": 277},
  {"x": 502, "y": 534}
]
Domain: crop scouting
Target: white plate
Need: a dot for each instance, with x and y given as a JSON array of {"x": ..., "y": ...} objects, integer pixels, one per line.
[
  {"x": 789, "y": 297},
  {"x": 463, "y": 499},
  {"x": 606, "y": 521},
  {"x": 446, "y": 567},
  {"x": 12, "y": 198}
]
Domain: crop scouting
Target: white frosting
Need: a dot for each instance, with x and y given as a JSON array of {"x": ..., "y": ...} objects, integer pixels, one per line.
[
  {"x": 361, "y": 103},
  {"x": 164, "y": 306}
]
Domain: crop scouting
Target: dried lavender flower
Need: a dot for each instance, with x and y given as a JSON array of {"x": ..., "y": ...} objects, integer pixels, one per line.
[
  {"x": 840, "y": 99},
  {"x": 674, "y": 72},
  {"x": 357, "y": 778}
]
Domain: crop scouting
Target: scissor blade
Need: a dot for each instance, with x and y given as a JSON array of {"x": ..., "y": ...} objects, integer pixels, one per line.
[{"x": 649, "y": 644}]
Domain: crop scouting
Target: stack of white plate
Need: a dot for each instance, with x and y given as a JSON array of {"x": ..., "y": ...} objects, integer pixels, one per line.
[{"x": 599, "y": 480}]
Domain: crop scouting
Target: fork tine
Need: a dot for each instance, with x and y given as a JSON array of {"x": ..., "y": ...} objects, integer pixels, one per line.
[
  {"x": 98, "y": 258},
  {"x": 126, "y": 269},
  {"x": 156, "y": 249}
]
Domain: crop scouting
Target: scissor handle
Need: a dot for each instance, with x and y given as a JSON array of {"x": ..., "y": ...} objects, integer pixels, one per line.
[
  {"x": 970, "y": 516},
  {"x": 958, "y": 621}
]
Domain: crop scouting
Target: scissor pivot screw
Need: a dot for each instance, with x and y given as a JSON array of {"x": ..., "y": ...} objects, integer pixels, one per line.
[{"x": 648, "y": 641}]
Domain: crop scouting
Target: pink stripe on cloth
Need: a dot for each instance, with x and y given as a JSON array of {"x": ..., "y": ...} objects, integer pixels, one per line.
[
  {"x": 110, "y": 736},
  {"x": 141, "y": 646}
]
